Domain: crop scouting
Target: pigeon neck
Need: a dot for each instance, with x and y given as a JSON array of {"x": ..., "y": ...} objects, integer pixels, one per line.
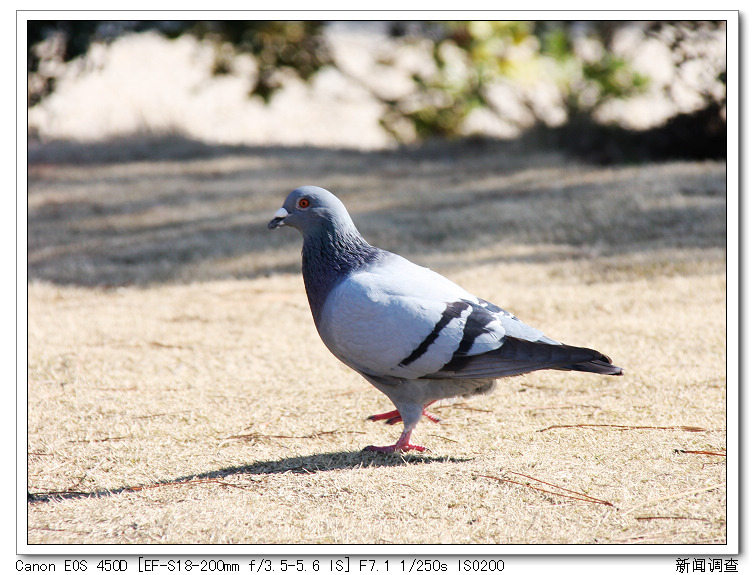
[{"x": 328, "y": 257}]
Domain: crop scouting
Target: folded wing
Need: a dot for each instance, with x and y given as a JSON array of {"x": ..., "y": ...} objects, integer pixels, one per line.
[{"x": 404, "y": 321}]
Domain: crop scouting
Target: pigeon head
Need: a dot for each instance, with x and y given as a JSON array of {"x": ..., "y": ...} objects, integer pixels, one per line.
[
  {"x": 332, "y": 249},
  {"x": 312, "y": 210}
]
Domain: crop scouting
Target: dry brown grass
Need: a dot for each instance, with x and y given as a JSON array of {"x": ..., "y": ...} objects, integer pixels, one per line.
[{"x": 178, "y": 391}]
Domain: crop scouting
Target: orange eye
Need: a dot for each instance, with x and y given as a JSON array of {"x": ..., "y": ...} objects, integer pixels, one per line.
[{"x": 302, "y": 203}]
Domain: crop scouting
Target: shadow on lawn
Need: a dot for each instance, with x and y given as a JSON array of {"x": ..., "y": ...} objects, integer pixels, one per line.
[
  {"x": 304, "y": 465},
  {"x": 145, "y": 212}
]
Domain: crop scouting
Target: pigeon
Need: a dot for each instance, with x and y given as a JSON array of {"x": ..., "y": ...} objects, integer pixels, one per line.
[{"x": 409, "y": 331}]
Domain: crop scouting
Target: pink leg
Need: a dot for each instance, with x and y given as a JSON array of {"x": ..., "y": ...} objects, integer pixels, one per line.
[
  {"x": 392, "y": 417},
  {"x": 401, "y": 445}
]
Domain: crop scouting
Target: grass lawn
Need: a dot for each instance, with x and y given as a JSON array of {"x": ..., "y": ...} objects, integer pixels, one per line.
[{"x": 179, "y": 393}]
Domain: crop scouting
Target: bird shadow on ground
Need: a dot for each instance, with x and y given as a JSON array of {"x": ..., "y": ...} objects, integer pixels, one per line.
[{"x": 304, "y": 465}]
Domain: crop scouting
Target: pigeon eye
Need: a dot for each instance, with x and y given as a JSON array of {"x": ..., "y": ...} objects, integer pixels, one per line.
[{"x": 302, "y": 203}]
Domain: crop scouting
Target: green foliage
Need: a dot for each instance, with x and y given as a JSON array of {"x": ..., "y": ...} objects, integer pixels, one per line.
[
  {"x": 586, "y": 82},
  {"x": 298, "y": 47},
  {"x": 468, "y": 57}
]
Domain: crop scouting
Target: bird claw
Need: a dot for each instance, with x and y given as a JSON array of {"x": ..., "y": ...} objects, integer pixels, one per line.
[
  {"x": 401, "y": 445},
  {"x": 393, "y": 417},
  {"x": 431, "y": 416}
]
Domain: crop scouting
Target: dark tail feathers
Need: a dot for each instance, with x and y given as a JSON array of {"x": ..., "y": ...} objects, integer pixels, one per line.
[
  {"x": 584, "y": 358},
  {"x": 602, "y": 366},
  {"x": 518, "y": 356},
  {"x": 600, "y": 363}
]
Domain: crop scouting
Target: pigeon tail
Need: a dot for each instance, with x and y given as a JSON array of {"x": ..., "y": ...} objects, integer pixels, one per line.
[
  {"x": 517, "y": 356},
  {"x": 600, "y": 366},
  {"x": 541, "y": 355}
]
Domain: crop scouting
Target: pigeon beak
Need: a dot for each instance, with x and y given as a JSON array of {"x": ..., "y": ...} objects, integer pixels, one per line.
[{"x": 277, "y": 221}]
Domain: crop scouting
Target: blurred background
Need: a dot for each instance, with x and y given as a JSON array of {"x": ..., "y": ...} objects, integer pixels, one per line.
[
  {"x": 610, "y": 91},
  {"x": 159, "y": 149}
]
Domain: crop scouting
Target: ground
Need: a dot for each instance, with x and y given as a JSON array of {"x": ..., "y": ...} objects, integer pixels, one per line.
[{"x": 178, "y": 391}]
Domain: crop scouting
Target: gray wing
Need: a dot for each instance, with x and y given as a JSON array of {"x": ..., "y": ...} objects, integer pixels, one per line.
[
  {"x": 399, "y": 320},
  {"x": 522, "y": 349}
]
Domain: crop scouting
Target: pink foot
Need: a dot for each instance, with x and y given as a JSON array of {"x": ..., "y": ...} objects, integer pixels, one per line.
[
  {"x": 401, "y": 445},
  {"x": 392, "y": 417}
]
